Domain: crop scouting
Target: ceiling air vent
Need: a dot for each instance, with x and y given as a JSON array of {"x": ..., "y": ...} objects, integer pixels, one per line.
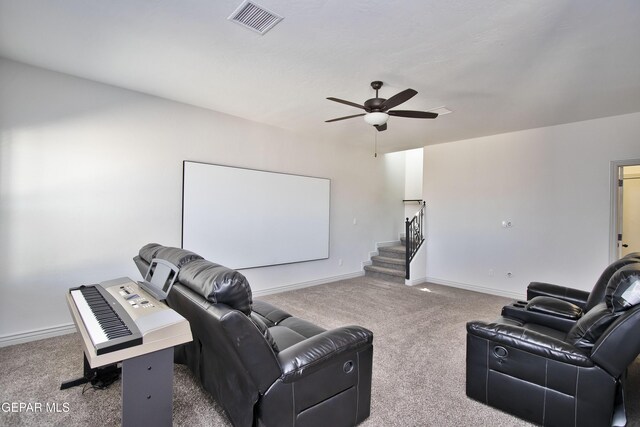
[
  {"x": 255, "y": 17},
  {"x": 441, "y": 111}
]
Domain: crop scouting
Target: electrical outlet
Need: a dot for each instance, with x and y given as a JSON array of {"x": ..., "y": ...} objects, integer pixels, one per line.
[
  {"x": 491, "y": 273},
  {"x": 340, "y": 262}
]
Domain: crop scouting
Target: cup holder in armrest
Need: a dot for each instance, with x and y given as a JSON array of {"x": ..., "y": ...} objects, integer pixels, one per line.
[{"x": 515, "y": 310}]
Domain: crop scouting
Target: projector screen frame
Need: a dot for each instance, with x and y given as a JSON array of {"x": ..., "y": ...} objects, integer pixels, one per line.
[{"x": 328, "y": 212}]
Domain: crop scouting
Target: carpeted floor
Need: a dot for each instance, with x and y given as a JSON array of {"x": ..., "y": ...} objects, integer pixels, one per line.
[{"x": 418, "y": 368}]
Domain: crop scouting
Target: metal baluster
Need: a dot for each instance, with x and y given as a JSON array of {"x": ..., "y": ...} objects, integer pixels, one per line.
[
  {"x": 414, "y": 236},
  {"x": 407, "y": 234}
]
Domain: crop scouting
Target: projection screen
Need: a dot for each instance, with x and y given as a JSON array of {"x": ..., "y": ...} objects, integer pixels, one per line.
[{"x": 244, "y": 218}]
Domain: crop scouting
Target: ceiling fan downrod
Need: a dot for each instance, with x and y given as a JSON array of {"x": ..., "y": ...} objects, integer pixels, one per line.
[{"x": 376, "y": 85}]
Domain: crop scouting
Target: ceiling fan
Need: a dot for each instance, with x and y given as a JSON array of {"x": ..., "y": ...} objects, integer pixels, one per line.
[{"x": 378, "y": 109}]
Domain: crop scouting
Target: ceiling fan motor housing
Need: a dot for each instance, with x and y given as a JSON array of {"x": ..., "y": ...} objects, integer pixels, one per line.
[{"x": 374, "y": 104}]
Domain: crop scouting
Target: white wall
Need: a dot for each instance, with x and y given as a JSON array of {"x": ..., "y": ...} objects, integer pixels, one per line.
[
  {"x": 89, "y": 173},
  {"x": 413, "y": 180},
  {"x": 413, "y": 173},
  {"x": 553, "y": 185}
]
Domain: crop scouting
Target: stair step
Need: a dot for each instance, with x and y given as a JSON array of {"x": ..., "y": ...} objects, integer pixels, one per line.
[
  {"x": 384, "y": 274},
  {"x": 388, "y": 260},
  {"x": 388, "y": 271},
  {"x": 397, "y": 252},
  {"x": 395, "y": 248},
  {"x": 391, "y": 263}
]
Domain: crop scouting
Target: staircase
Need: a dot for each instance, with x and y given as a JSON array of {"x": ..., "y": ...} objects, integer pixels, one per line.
[
  {"x": 389, "y": 264},
  {"x": 393, "y": 263}
]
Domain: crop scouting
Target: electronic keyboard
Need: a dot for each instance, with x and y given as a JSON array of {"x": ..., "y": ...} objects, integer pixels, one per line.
[{"x": 118, "y": 319}]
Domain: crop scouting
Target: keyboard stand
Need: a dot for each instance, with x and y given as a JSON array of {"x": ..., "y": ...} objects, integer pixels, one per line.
[
  {"x": 89, "y": 374},
  {"x": 100, "y": 377},
  {"x": 147, "y": 389}
]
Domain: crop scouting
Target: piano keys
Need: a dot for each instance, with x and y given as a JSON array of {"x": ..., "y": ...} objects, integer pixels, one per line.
[{"x": 109, "y": 330}]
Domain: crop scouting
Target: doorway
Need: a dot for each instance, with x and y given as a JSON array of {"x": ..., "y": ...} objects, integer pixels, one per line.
[{"x": 625, "y": 236}]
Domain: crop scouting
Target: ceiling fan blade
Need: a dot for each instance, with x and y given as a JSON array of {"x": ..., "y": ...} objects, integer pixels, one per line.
[
  {"x": 381, "y": 127},
  {"x": 343, "y": 118},
  {"x": 342, "y": 101},
  {"x": 413, "y": 114},
  {"x": 398, "y": 99}
]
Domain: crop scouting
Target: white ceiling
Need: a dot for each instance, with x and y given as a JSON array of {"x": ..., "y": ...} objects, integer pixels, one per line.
[{"x": 500, "y": 65}]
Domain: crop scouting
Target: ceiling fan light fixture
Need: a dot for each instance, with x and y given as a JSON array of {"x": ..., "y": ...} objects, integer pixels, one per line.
[{"x": 376, "y": 118}]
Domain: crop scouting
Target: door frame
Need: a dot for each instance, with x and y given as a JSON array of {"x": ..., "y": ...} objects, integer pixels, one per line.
[{"x": 614, "y": 217}]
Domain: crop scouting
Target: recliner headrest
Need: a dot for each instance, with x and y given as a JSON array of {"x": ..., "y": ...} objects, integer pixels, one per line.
[
  {"x": 176, "y": 256},
  {"x": 598, "y": 293},
  {"x": 623, "y": 290},
  {"x": 149, "y": 251},
  {"x": 218, "y": 284}
]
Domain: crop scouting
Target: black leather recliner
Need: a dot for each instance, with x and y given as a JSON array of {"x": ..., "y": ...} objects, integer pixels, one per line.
[
  {"x": 560, "y": 307},
  {"x": 265, "y": 367},
  {"x": 573, "y": 303},
  {"x": 557, "y": 378}
]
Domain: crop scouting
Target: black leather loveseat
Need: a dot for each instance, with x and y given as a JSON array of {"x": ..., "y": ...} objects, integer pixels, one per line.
[{"x": 264, "y": 366}]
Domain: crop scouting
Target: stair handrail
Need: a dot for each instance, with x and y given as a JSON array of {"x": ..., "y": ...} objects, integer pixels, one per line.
[{"x": 414, "y": 236}]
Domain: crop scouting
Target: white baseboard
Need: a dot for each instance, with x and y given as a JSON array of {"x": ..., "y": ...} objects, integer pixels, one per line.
[
  {"x": 37, "y": 334},
  {"x": 291, "y": 287},
  {"x": 416, "y": 281},
  {"x": 476, "y": 288}
]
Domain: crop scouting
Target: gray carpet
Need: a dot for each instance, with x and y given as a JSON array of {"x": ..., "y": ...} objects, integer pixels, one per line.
[{"x": 418, "y": 368}]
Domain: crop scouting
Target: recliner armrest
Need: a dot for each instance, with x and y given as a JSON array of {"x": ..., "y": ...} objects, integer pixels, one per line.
[
  {"x": 530, "y": 341},
  {"x": 554, "y": 307},
  {"x": 311, "y": 354},
  {"x": 520, "y": 313},
  {"x": 574, "y": 296}
]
